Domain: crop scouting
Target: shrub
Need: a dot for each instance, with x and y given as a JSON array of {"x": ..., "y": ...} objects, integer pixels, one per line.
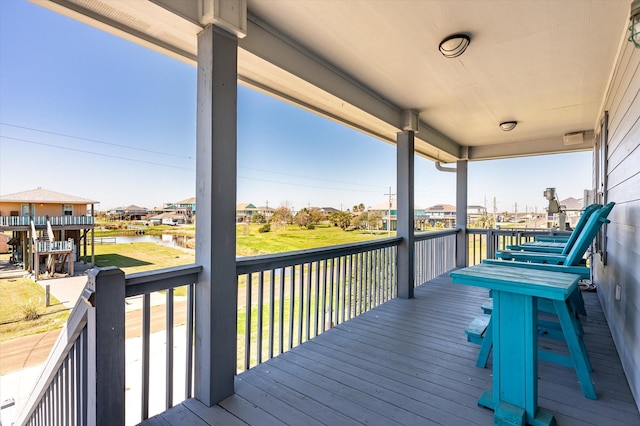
[
  {"x": 264, "y": 228},
  {"x": 311, "y": 226},
  {"x": 30, "y": 312}
]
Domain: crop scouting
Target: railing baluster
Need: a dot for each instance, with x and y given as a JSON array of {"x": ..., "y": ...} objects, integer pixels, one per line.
[
  {"x": 259, "y": 343},
  {"x": 317, "y": 301},
  {"x": 308, "y": 303},
  {"x": 292, "y": 293},
  {"x": 301, "y": 303},
  {"x": 146, "y": 346},
  {"x": 325, "y": 289},
  {"x": 169, "y": 349},
  {"x": 247, "y": 327},
  {"x": 189, "y": 349},
  {"x": 332, "y": 303},
  {"x": 281, "y": 312},
  {"x": 272, "y": 290}
]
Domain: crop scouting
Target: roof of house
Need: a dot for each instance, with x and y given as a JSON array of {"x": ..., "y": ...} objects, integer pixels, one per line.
[
  {"x": 385, "y": 206},
  {"x": 572, "y": 203},
  {"x": 191, "y": 200},
  {"x": 45, "y": 196},
  {"x": 245, "y": 206},
  {"x": 441, "y": 208},
  {"x": 134, "y": 208}
]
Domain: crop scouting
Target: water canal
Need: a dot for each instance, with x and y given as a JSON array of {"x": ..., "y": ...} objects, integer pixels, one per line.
[{"x": 170, "y": 240}]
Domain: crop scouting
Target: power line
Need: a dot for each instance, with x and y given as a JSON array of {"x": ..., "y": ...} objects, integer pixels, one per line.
[
  {"x": 96, "y": 153},
  {"x": 93, "y": 140},
  {"x": 307, "y": 186},
  {"x": 314, "y": 178}
]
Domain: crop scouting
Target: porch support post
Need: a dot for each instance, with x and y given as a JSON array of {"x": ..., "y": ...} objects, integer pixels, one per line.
[
  {"x": 405, "y": 177},
  {"x": 462, "y": 251},
  {"x": 105, "y": 346},
  {"x": 216, "y": 147}
]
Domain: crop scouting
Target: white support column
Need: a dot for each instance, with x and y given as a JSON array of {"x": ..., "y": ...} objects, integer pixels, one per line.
[
  {"x": 462, "y": 250},
  {"x": 405, "y": 208},
  {"x": 217, "y": 288}
]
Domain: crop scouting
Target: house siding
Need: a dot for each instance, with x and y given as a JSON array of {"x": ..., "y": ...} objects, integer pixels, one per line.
[
  {"x": 42, "y": 209},
  {"x": 623, "y": 233}
]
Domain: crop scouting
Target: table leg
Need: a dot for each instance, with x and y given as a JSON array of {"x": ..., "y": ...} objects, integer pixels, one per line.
[{"x": 514, "y": 398}]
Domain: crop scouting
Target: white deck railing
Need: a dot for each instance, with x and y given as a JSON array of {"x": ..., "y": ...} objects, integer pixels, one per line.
[
  {"x": 284, "y": 300},
  {"x": 11, "y": 221},
  {"x": 53, "y": 246},
  {"x": 83, "y": 381},
  {"x": 483, "y": 243}
]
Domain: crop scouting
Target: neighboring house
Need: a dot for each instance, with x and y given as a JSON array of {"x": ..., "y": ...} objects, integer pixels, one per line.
[
  {"x": 44, "y": 222},
  {"x": 169, "y": 218},
  {"x": 131, "y": 212},
  {"x": 245, "y": 211},
  {"x": 186, "y": 204},
  {"x": 443, "y": 213},
  {"x": 573, "y": 208},
  {"x": 389, "y": 212}
]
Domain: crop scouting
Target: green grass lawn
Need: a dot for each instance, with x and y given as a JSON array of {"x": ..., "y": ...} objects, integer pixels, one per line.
[
  {"x": 20, "y": 296},
  {"x": 250, "y": 242},
  {"x": 139, "y": 257}
]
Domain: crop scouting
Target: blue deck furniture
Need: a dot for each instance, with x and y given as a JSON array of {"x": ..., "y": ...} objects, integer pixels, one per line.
[
  {"x": 575, "y": 255},
  {"x": 556, "y": 246},
  {"x": 514, "y": 397}
]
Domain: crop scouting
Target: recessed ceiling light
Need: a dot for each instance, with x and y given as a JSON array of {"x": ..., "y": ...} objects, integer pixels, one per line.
[
  {"x": 454, "y": 45},
  {"x": 508, "y": 125}
]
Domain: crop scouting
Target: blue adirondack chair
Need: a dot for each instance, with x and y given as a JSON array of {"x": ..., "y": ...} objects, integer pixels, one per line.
[
  {"x": 569, "y": 263},
  {"x": 556, "y": 246},
  {"x": 574, "y": 257}
]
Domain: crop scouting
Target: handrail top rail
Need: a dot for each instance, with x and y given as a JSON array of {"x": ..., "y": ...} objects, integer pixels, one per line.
[
  {"x": 65, "y": 341},
  {"x": 161, "y": 279},
  {"x": 430, "y": 235},
  {"x": 550, "y": 231},
  {"x": 263, "y": 262}
]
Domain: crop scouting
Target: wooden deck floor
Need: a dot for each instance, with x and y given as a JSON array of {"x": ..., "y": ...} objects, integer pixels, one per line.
[{"x": 408, "y": 362}]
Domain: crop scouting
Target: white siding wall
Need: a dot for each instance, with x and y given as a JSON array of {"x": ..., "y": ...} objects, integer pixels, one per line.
[{"x": 623, "y": 243}]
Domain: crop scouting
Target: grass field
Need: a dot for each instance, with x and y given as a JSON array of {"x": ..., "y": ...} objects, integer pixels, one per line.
[
  {"x": 250, "y": 242},
  {"x": 139, "y": 257},
  {"x": 21, "y": 296}
]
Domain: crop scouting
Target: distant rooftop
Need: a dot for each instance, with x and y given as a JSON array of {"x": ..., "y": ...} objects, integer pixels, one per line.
[{"x": 44, "y": 196}]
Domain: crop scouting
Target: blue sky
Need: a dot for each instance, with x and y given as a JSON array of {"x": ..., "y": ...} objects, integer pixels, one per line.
[{"x": 85, "y": 113}]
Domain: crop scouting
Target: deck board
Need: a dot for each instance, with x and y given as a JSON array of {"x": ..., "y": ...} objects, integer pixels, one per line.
[{"x": 408, "y": 362}]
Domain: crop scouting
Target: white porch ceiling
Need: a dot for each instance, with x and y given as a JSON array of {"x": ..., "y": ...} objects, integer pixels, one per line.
[{"x": 545, "y": 64}]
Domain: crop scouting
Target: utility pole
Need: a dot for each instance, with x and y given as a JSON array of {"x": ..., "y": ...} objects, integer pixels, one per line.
[
  {"x": 516, "y": 213},
  {"x": 389, "y": 216},
  {"x": 494, "y": 213}
]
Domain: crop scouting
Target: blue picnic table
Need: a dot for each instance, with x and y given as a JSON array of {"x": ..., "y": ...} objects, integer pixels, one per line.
[{"x": 515, "y": 291}]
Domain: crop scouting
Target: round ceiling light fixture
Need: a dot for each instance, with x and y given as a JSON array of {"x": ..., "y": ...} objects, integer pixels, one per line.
[
  {"x": 454, "y": 45},
  {"x": 507, "y": 126}
]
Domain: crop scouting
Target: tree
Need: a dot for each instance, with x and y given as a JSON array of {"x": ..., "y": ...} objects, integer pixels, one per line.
[
  {"x": 258, "y": 218},
  {"x": 316, "y": 215},
  {"x": 375, "y": 219},
  {"x": 341, "y": 219},
  {"x": 282, "y": 216},
  {"x": 359, "y": 221},
  {"x": 303, "y": 218},
  {"x": 485, "y": 221}
]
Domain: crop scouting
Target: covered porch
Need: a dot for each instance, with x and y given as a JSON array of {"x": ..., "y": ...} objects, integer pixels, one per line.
[
  {"x": 382, "y": 346},
  {"x": 408, "y": 362}
]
